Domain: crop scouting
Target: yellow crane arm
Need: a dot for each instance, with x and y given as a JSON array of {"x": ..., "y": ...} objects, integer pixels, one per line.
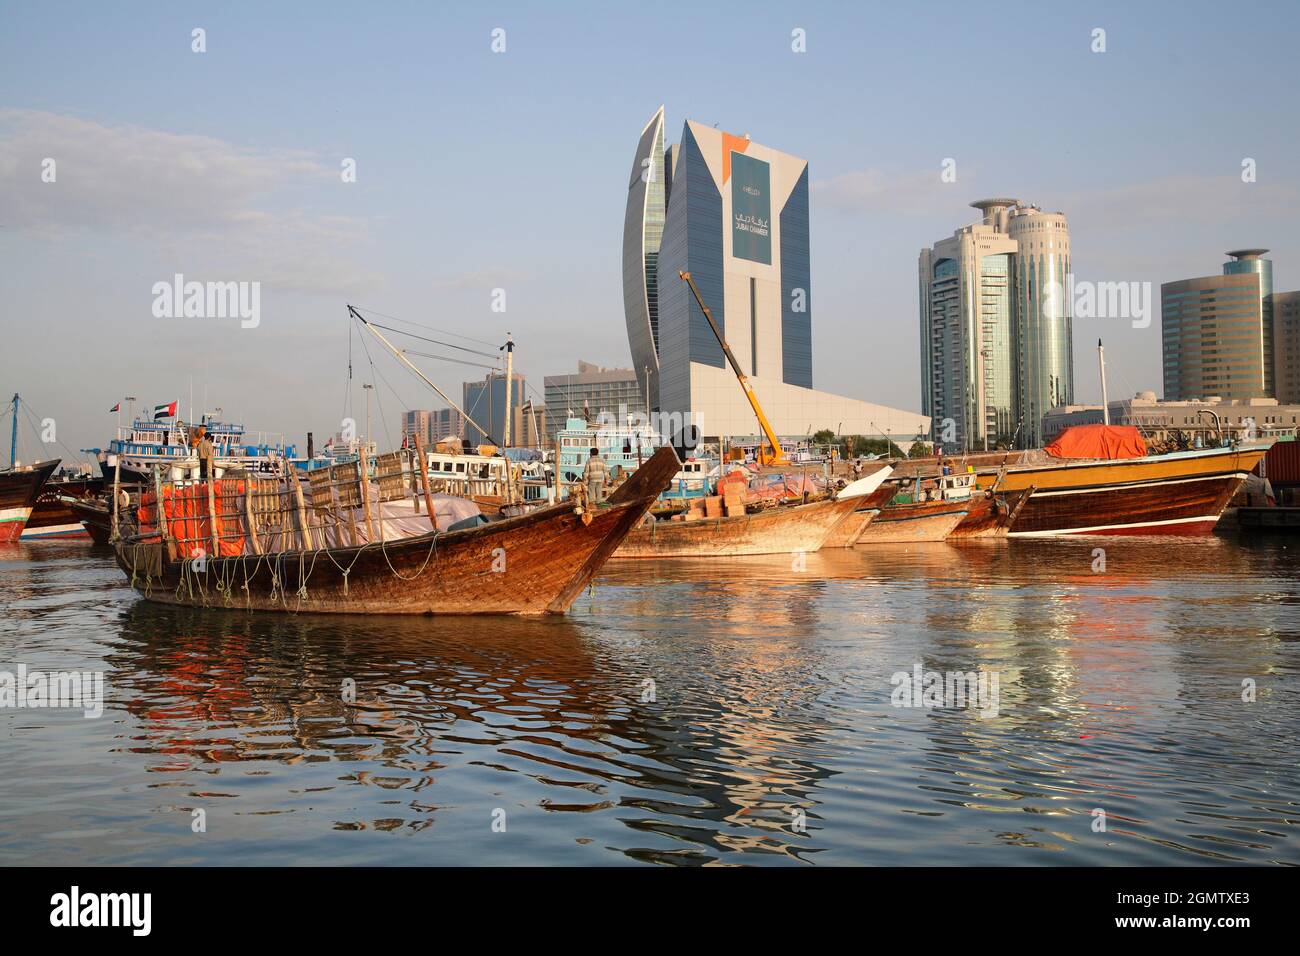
[{"x": 777, "y": 456}]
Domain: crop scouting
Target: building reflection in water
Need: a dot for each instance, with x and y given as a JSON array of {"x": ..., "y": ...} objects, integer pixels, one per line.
[{"x": 686, "y": 712}]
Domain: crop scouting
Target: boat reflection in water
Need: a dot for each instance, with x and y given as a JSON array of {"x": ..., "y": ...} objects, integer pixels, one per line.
[
  {"x": 686, "y": 712},
  {"x": 541, "y": 714}
]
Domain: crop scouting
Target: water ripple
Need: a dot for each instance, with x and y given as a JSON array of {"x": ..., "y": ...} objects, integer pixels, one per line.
[{"x": 685, "y": 714}]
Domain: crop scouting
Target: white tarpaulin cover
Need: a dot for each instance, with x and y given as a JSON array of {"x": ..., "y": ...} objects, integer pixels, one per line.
[{"x": 401, "y": 520}]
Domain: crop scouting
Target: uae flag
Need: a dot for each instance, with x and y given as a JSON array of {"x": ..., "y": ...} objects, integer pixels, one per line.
[
  {"x": 164, "y": 411},
  {"x": 115, "y": 408}
]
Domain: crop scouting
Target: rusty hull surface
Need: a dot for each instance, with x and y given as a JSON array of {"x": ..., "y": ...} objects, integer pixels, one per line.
[
  {"x": 918, "y": 521},
  {"x": 990, "y": 517},
  {"x": 781, "y": 530},
  {"x": 849, "y": 530}
]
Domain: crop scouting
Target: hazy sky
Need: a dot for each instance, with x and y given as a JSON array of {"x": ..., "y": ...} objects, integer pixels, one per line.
[{"x": 478, "y": 170}]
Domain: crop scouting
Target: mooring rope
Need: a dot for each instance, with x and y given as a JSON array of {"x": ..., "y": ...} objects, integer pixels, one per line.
[
  {"x": 432, "y": 552},
  {"x": 192, "y": 584}
]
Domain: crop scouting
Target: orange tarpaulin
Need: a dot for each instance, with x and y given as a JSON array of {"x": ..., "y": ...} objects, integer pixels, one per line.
[
  {"x": 186, "y": 508},
  {"x": 1098, "y": 441}
]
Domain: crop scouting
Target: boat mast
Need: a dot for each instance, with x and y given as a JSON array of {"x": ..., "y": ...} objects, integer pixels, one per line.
[
  {"x": 13, "y": 433},
  {"x": 424, "y": 378},
  {"x": 1105, "y": 405},
  {"x": 510, "y": 374}
]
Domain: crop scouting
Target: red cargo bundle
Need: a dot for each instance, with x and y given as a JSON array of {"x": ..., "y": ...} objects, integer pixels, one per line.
[{"x": 736, "y": 479}]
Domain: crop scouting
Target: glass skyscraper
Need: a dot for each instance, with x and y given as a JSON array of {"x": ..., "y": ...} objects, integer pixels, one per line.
[
  {"x": 485, "y": 402},
  {"x": 643, "y": 226},
  {"x": 1217, "y": 332},
  {"x": 1252, "y": 260},
  {"x": 996, "y": 352},
  {"x": 735, "y": 215}
]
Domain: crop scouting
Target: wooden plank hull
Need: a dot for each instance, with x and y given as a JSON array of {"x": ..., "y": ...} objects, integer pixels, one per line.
[
  {"x": 19, "y": 491},
  {"x": 52, "y": 515},
  {"x": 851, "y": 527},
  {"x": 95, "y": 517},
  {"x": 990, "y": 516},
  {"x": 1095, "y": 474},
  {"x": 535, "y": 563},
  {"x": 1182, "y": 494},
  {"x": 782, "y": 530},
  {"x": 920, "y": 521},
  {"x": 1182, "y": 506}
]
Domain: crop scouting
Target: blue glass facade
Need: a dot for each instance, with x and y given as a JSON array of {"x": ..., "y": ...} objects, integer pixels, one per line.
[
  {"x": 485, "y": 402},
  {"x": 692, "y": 241},
  {"x": 796, "y": 288},
  {"x": 1045, "y": 364},
  {"x": 642, "y": 233},
  {"x": 723, "y": 197}
]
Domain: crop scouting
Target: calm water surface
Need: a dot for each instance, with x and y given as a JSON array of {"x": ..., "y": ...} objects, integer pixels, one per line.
[{"x": 1119, "y": 690}]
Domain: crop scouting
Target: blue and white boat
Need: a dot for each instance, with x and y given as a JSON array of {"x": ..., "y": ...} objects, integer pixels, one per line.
[
  {"x": 623, "y": 447},
  {"x": 144, "y": 445}
]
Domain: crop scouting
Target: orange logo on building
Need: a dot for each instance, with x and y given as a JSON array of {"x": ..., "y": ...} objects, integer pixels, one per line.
[{"x": 729, "y": 144}]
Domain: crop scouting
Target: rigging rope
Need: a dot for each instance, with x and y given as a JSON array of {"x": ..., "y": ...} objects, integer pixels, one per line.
[{"x": 420, "y": 325}]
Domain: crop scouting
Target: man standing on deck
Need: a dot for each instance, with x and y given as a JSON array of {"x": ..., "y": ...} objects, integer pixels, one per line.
[
  {"x": 203, "y": 446},
  {"x": 595, "y": 475}
]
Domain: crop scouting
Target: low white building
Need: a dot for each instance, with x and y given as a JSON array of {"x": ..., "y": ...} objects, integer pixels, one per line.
[{"x": 1206, "y": 418}]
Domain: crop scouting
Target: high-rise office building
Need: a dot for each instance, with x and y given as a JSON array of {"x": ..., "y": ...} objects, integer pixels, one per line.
[
  {"x": 1217, "y": 331},
  {"x": 1244, "y": 261},
  {"x": 643, "y": 227},
  {"x": 432, "y": 425},
  {"x": 446, "y": 423},
  {"x": 529, "y": 429},
  {"x": 996, "y": 350},
  {"x": 485, "y": 403},
  {"x": 734, "y": 214},
  {"x": 1286, "y": 346},
  {"x": 417, "y": 422},
  {"x": 592, "y": 391}
]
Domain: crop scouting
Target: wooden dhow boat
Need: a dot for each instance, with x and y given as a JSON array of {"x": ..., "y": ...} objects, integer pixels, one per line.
[
  {"x": 850, "y": 528},
  {"x": 95, "y": 517},
  {"x": 918, "y": 521},
  {"x": 1097, "y": 480},
  {"x": 922, "y": 511},
  {"x": 991, "y": 513},
  {"x": 20, "y": 487},
  {"x": 52, "y": 515},
  {"x": 784, "y": 529},
  {"x": 357, "y": 542}
]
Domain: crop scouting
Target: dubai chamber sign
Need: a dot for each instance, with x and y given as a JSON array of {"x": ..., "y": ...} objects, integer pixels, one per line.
[{"x": 751, "y": 209}]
